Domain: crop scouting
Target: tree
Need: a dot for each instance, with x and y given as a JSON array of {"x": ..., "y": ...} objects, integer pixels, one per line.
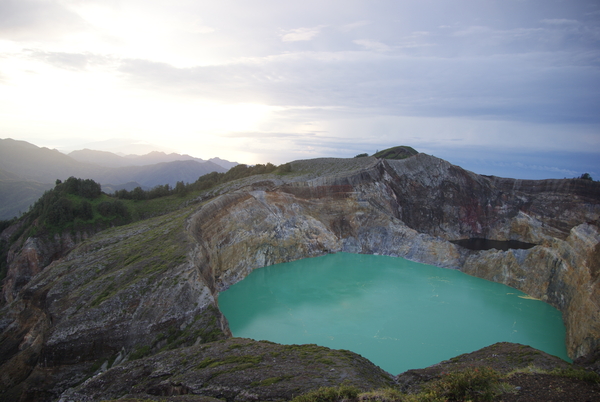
[
  {"x": 85, "y": 212},
  {"x": 138, "y": 194},
  {"x": 60, "y": 212},
  {"x": 180, "y": 188},
  {"x": 586, "y": 176}
]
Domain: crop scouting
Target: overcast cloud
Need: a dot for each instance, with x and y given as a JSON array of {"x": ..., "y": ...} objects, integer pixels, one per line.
[{"x": 510, "y": 88}]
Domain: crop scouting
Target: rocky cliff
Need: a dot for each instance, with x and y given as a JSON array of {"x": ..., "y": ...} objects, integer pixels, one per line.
[
  {"x": 149, "y": 287},
  {"x": 412, "y": 208}
]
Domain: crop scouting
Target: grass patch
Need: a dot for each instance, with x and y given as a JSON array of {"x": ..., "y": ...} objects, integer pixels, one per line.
[
  {"x": 471, "y": 384},
  {"x": 210, "y": 362},
  {"x": 382, "y": 395},
  {"x": 330, "y": 394},
  {"x": 139, "y": 352},
  {"x": 107, "y": 293},
  {"x": 577, "y": 374}
]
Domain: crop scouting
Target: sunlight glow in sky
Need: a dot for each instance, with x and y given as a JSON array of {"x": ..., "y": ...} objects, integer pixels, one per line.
[{"x": 510, "y": 88}]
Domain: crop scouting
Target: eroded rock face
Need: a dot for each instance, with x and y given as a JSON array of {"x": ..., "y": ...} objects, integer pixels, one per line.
[
  {"x": 29, "y": 259},
  {"x": 126, "y": 293},
  {"x": 133, "y": 291},
  {"x": 560, "y": 272},
  {"x": 409, "y": 209}
]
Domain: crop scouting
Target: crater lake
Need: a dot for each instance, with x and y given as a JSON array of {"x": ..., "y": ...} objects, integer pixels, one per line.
[{"x": 397, "y": 313}]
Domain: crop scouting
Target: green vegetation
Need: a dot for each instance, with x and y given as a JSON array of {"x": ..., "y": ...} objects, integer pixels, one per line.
[
  {"x": 401, "y": 152},
  {"x": 476, "y": 384},
  {"x": 79, "y": 204},
  {"x": 74, "y": 204},
  {"x": 245, "y": 359},
  {"x": 330, "y": 394},
  {"x": 586, "y": 176},
  {"x": 577, "y": 374},
  {"x": 383, "y": 395},
  {"x": 205, "y": 182},
  {"x": 139, "y": 352},
  {"x": 471, "y": 384}
]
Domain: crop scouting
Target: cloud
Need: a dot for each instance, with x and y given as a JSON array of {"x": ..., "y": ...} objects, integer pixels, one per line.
[
  {"x": 64, "y": 60},
  {"x": 264, "y": 135},
  {"x": 301, "y": 34},
  {"x": 517, "y": 87},
  {"x": 199, "y": 29},
  {"x": 560, "y": 21},
  {"x": 37, "y": 20},
  {"x": 336, "y": 77},
  {"x": 373, "y": 45},
  {"x": 354, "y": 25}
]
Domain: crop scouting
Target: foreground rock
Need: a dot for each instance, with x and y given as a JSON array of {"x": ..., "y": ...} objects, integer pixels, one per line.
[
  {"x": 244, "y": 370},
  {"x": 503, "y": 357},
  {"x": 234, "y": 370},
  {"x": 527, "y": 374}
]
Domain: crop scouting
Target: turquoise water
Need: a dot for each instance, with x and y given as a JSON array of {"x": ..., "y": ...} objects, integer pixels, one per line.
[{"x": 397, "y": 313}]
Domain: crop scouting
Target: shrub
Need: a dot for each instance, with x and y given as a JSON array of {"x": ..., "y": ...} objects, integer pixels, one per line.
[
  {"x": 578, "y": 374},
  {"x": 382, "y": 395},
  {"x": 113, "y": 208},
  {"x": 285, "y": 168},
  {"x": 474, "y": 384},
  {"x": 330, "y": 394}
]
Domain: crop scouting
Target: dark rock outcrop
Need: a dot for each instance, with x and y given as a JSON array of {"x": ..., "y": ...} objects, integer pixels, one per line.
[{"x": 152, "y": 286}]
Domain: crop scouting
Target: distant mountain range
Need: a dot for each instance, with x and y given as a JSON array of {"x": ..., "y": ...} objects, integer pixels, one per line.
[
  {"x": 109, "y": 159},
  {"x": 26, "y": 171}
]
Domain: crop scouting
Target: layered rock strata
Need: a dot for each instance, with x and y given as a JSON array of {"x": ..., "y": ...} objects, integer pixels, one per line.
[
  {"x": 152, "y": 286},
  {"x": 411, "y": 208}
]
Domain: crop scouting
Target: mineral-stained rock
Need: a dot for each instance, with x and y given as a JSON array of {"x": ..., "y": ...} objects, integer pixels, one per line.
[
  {"x": 152, "y": 286},
  {"x": 559, "y": 272}
]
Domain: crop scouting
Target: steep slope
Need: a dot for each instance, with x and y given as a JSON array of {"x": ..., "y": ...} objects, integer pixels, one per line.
[
  {"x": 127, "y": 291},
  {"x": 136, "y": 290}
]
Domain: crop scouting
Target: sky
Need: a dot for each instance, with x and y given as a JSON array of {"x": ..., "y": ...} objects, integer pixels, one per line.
[{"x": 508, "y": 88}]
